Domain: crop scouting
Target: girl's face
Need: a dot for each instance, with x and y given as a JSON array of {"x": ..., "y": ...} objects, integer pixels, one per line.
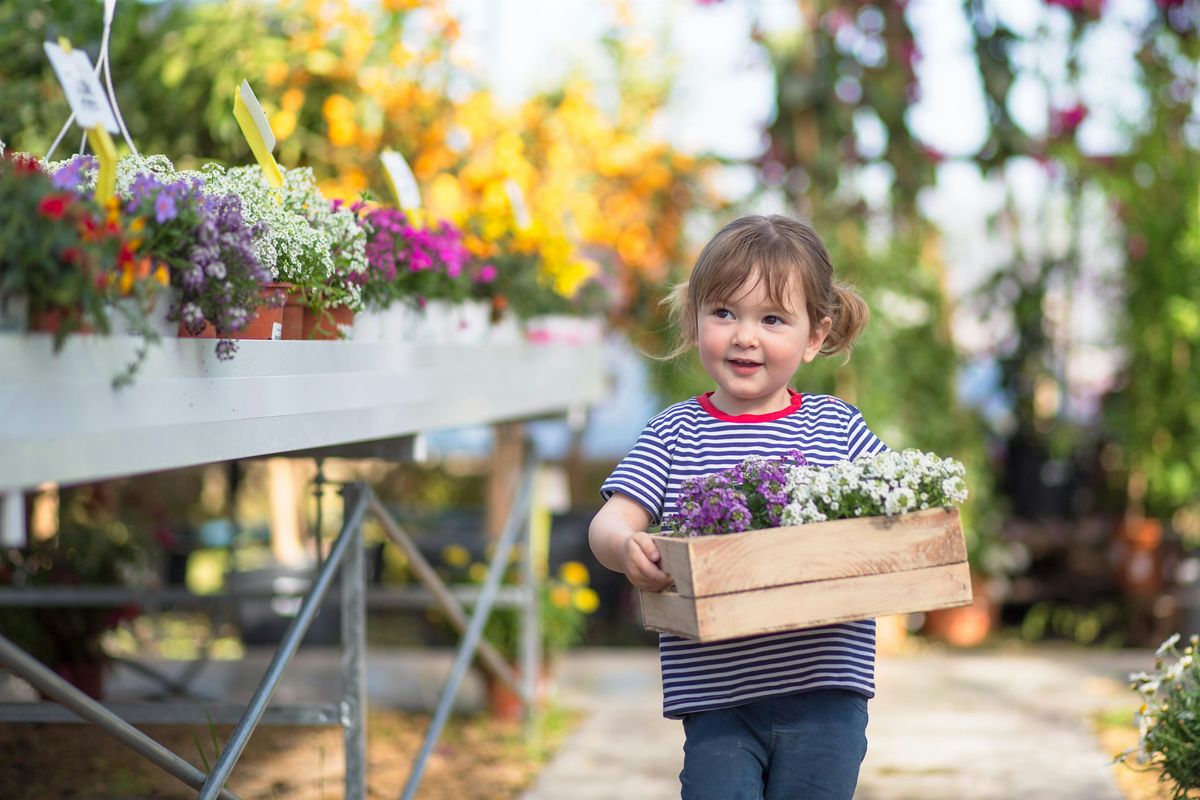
[{"x": 752, "y": 347}]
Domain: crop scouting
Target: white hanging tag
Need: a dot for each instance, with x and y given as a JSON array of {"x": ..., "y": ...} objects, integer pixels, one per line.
[
  {"x": 516, "y": 198},
  {"x": 79, "y": 83}
]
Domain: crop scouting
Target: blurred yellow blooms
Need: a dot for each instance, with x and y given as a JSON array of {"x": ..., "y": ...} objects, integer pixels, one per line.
[
  {"x": 585, "y": 599},
  {"x": 574, "y": 573},
  {"x": 456, "y": 555},
  {"x": 561, "y": 596}
]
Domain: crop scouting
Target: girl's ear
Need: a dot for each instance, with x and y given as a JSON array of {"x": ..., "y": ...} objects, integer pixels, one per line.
[{"x": 816, "y": 338}]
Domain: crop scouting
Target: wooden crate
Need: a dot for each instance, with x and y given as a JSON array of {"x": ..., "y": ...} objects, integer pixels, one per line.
[{"x": 800, "y": 577}]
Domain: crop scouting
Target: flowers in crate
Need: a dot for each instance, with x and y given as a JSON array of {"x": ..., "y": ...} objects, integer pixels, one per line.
[
  {"x": 887, "y": 483},
  {"x": 765, "y": 493},
  {"x": 1169, "y": 719}
]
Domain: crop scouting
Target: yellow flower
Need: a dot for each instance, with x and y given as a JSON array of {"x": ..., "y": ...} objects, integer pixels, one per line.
[
  {"x": 283, "y": 124},
  {"x": 126, "y": 283},
  {"x": 586, "y": 600},
  {"x": 138, "y": 225},
  {"x": 277, "y": 73},
  {"x": 560, "y": 596},
  {"x": 162, "y": 275},
  {"x": 456, "y": 555},
  {"x": 477, "y": 572},
  {"x": 574, "y": 573}
]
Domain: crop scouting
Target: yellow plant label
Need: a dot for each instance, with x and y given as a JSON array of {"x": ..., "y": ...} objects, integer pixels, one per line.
[
  {"x": 253, "y": 122},
  {"x": 401, "y": 181},
  {"x": 106, "y": 154}
]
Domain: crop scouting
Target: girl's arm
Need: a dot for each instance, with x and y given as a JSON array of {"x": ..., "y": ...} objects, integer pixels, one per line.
[{"x": 618, "y": 538}]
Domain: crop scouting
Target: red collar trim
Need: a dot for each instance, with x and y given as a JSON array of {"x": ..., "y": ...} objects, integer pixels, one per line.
[{"x": 705, "y": 401}]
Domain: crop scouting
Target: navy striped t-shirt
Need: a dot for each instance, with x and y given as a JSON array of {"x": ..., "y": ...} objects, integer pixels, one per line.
[{"x": 695, "y": 438}]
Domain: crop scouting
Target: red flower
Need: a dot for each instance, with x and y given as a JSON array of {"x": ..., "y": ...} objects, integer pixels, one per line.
[{"x": 53, "y": 206}]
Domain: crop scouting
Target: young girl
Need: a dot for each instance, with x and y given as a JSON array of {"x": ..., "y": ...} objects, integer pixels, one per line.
[{"x": 780, "y": 715}]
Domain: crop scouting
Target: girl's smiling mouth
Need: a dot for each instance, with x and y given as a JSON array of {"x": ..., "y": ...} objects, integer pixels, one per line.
[{"x": 743, "y": 366}]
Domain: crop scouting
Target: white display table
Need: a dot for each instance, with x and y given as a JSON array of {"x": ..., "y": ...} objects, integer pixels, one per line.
[{"x": 61, "y": 420}]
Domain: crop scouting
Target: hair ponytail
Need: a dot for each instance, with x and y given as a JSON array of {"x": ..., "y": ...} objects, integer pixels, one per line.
[{"x": 850, "y": 315}]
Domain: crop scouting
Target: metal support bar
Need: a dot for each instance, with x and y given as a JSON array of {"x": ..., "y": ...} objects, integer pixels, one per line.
[
  {"x": 518, "y": 515},
  {"x": 287, "y": 648},
  {"x": 144, "y": 712},
  {"x": 41, "y": 678},
  {"x": 531, "y": 628},
  {"x": 353, "y": 707},
  {"x": 426, "y": 574}
]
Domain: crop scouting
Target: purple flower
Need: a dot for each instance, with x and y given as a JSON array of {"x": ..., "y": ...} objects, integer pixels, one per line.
[
  {"x": 70, "y": 176},
  {"x": 165, "y": 209},
  {"x": 748, "y": 496}
]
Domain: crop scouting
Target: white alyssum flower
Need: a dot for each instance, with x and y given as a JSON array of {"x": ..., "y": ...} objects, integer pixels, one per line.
[
  {"x": 887, "y": 483},
  {"x": 290, "y": 247}
]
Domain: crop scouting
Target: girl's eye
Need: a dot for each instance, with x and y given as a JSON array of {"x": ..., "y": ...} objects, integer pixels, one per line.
[
  {"x": 722, "y": 313},
  {"x": 771, "y": 319}
]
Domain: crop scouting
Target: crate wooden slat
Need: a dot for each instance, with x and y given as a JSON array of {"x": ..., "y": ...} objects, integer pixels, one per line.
[{"x": 804, "y": 576}]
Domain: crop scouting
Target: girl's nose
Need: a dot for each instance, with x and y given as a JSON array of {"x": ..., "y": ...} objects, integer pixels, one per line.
[{"x": 743, "y": 335}]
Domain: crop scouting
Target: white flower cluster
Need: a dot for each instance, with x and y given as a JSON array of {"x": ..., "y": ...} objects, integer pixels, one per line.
[
  {"x": 887, "y": 483},
  {"x": 129, "y": 167},
  {"x": 1168, "y": 724},
  {"x": 290, "y": 247}
]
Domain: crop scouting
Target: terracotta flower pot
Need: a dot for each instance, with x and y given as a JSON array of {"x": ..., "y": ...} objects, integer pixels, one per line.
[
  {"x": 265, "y": 323},
  {"x": 505, "y": 704},
  {"x": 293, "y": 314},
  {"x": 50, "y": 320},
  {"x": 326, "y": 323},
  {"x": 965, "y": 626}
]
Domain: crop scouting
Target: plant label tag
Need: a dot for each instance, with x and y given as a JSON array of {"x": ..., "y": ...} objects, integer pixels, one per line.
[
  {"x": 88, "y": 101},
  {"x": 276, "y": 331},
  {"x": 401, "y": 180},
  {"x": 250, "y": 117},
  {"x": 516, "y": 198}
]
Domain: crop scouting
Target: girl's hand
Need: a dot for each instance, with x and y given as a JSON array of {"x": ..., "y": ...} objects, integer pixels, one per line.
[
  {"x": 618, "y": 538},
  {"x": 640, "y": 557}
]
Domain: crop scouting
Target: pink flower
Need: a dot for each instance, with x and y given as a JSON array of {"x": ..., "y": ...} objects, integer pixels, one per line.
[
  {"x": 487, "y": 274},
  {"x": 1065, "y": 121}
]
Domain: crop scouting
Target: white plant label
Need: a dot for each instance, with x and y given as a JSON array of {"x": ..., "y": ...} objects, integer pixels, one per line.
[{"x": 79, "y": 83}]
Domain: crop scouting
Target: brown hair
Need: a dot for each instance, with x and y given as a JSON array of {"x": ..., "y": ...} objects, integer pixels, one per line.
[{"x": 776, "y": 250}]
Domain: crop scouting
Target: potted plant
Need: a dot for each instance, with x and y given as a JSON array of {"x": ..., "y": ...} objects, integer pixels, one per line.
[
  {"x": 198, "y": 243},
  {"x": 90, "y": 548},
  {"x": 425, "y": 269},
  {"x": 58, "y": 251},
  {"x": 565, "y": 600},
  {"x": 315, "y": 246}
]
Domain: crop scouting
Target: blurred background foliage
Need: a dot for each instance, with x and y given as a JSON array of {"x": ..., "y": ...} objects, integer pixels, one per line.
[{"x": 587, "y": 186}]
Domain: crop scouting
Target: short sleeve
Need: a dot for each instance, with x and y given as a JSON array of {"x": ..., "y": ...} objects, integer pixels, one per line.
[
  {"x": 860, "y": 440},
  {"x": 642, "y": 474}
]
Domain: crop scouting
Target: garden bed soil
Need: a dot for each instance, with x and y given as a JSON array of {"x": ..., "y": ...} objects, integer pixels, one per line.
[{"x": 476, "y": 757}]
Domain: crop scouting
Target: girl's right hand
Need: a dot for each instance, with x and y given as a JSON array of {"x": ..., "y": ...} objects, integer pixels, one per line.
[
  {"x": 640, "y": 558},
  {"x": 618, "y": 538}
]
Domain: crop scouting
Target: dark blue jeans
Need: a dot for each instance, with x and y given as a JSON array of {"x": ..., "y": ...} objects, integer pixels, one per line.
[{"x": 805, "y": 746}]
